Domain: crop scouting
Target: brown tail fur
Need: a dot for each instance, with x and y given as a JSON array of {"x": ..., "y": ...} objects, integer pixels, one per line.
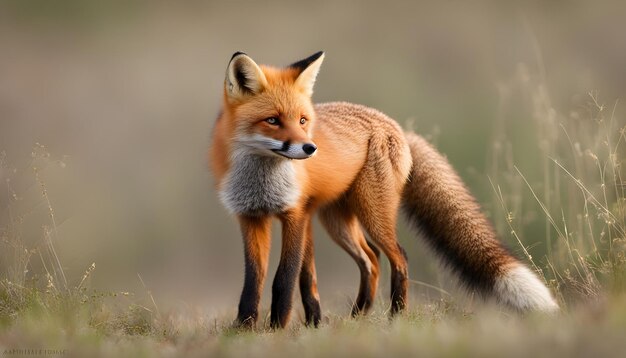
[{"x": 438, "y": 204}]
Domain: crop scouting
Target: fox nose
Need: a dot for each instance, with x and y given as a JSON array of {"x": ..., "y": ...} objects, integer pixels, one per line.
[{"x": 309, "y": 148}]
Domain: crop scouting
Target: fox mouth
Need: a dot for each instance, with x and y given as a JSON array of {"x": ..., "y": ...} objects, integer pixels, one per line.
[
  {"x": 284, "y": 154},
  {"x": 280, "y": 152}
]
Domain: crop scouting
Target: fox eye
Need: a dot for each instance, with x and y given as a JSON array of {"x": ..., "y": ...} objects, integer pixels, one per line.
[
  {"x": 302, "y": 120},
  {"x": 272, "y": 120}
]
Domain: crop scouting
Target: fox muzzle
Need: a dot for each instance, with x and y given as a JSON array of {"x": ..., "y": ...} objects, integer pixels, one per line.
[{"x": 296, "y": 150}]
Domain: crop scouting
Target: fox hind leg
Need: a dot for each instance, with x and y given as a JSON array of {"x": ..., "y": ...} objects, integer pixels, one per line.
[
  {"x": 381, "y": 228},
  {"x": 375, "y": 198},
  {"x": 344, "y": 229},
  {"x": 365, "y": 299}
]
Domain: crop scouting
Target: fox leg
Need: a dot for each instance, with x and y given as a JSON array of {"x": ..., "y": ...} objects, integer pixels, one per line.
[
  {"x": 345, "y": 230},
  {"x": 256, "y": 238},
  {"x": 308, "y": 281},
  {"x": 380, "y": 225},
  {"x": 294, "y": 226},
  {"x": 375, "y": 198}
]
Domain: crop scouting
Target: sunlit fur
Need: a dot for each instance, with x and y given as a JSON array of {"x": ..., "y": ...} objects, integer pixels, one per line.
[{"x": 365, "y": 168}]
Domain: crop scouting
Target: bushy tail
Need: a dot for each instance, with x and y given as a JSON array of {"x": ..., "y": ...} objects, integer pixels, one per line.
[{"x": 438, "y": 204}]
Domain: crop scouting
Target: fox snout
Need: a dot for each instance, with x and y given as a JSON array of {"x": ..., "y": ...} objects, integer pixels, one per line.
[{"x": 296, "y": 150}]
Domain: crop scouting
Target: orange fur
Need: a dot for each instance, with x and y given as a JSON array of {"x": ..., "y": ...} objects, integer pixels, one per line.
[{"x": 357, "y": 180}]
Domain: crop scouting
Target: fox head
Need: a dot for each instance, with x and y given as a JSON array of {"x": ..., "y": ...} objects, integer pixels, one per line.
[{"x": 271, "y": 108}]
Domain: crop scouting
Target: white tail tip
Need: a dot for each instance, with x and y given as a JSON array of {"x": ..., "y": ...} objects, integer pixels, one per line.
[{"x": 521, "y": 289}]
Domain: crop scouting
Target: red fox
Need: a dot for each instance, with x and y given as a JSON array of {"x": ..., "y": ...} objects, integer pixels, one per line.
[{"x": 276, "y": 154}]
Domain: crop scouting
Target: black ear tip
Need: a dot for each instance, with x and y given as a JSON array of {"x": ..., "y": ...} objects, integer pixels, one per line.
[
  {"x": 317, "y": 55},
  {"x": 237, "y": 54},
  {"x": 303, "y": 64}
]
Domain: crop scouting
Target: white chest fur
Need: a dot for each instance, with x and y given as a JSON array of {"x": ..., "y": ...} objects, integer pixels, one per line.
[{"x": 257, "y": 185}]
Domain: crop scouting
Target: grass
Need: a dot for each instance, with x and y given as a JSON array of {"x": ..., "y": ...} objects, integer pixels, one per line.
[
  {"x": 574, "y": 190},
  {"x": 578, "y": 191},
  {"x": 433, "y": 329}
]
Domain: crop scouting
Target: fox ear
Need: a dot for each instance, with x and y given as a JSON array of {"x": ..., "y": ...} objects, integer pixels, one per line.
[
  {"x": 308, "y": 70},
  {"x": 243, "y": 76}
]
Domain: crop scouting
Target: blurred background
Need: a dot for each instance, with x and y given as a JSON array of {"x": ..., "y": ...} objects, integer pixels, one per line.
[{"x": 113, "y": 103}]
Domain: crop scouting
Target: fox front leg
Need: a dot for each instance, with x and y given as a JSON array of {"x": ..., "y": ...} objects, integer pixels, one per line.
[
  {"x": 294, "y": 225},
  {"x": 256, "y": 240},
  {"x": 308, "y": 280}
]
